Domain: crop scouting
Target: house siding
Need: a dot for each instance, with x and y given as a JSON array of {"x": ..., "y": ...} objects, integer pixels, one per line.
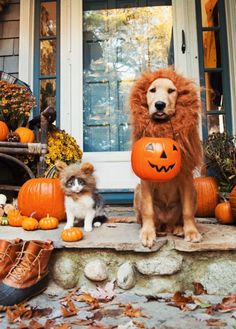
[{"x": 9, "y": 38}]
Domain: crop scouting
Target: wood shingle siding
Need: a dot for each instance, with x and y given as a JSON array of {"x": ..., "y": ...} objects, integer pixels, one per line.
[{"x": 9, "y": 38}]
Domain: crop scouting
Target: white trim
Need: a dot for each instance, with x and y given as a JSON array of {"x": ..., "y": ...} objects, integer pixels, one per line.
[
  {"x": 230, "y": 8},
  {"x": 72, "y": 68},
  {"x": 26, "y": 41},
  {"x": 184, "y": 18}
]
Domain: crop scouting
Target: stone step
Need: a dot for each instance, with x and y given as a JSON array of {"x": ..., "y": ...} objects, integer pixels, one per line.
[{"x": 114, "y": 252}]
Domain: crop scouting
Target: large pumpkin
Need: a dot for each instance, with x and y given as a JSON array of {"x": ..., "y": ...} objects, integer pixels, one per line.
[
  {"x": 156, "y": 159},
  {"x": 232, "y": 200},
  {"x": 3, "y": 131},
  {"x": 42, "y": 196},
  {"x": 207, "y": 196},
  {"x": 26, "y": 135}
]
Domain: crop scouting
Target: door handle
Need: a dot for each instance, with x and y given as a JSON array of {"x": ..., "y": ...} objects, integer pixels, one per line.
[{"x": 183, "y": 47}]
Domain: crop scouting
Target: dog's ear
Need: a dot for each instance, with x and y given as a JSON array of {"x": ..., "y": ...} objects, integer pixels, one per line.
[
  {"x": 87, "y": 168},
  {"x": 60, "y": 165}
]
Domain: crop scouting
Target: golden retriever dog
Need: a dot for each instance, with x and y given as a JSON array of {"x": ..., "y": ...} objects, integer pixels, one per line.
[{"x": 166, "y": 104}]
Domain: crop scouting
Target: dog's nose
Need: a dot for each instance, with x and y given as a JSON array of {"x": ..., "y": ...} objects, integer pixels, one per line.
[{"x": 160, "y": 105}]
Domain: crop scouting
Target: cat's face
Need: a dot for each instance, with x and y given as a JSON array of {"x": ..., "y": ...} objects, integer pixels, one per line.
[{"x": 75, "y": 184}]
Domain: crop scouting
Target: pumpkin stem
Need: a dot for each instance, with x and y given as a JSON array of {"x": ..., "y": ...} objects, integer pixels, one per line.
[{"x": 32, "y": 214}]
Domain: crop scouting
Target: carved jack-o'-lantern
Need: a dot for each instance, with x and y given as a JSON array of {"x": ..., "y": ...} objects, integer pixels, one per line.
[{"x": 156, "y": 159}]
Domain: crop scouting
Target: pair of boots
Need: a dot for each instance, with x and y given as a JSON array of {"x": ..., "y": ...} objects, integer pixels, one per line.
[{"x": 23, "y": 269}]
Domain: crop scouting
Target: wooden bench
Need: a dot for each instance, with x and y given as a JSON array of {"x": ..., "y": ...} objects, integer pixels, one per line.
[{"x": 9, "y": 151}]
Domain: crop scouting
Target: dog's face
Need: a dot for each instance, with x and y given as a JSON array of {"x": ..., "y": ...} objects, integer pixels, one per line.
[{"x": 161, "y": 99}]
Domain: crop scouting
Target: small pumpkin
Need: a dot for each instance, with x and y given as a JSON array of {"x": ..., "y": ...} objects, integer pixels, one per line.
[
  {"x": 232, "y": 200},
  {"x": 26, "y": 135},
  {"x": 48, "y": 223},
  {"x": 14, "y": 218},
  {"x": 223, "y": 213},
  {"x": 3, "y": 131},
  {"x": 29, "y": 223},
  {"x": 156, "y": 159},
  {"x": 207, "y": 196},
  {"x": 4, "y": 221},
  {"x": 72, "y": 234}
]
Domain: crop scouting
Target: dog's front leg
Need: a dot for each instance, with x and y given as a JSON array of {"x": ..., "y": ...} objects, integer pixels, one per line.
[
  {"x": 188, "y": 198},
  {"x": 148, "y": 230}
]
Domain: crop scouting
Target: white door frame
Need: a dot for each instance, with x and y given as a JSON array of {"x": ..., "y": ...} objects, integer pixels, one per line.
[{"x": 115, "y": 165}]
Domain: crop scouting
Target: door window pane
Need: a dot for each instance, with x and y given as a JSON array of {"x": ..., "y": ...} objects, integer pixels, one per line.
[
  {"x": 216, "y": 123},
  {"x": 48, "y": 19},
  {"x": 47, "y": 93},
  {"x": 48, "y": 57},
  {"x": 214, "y": 91},
  {"x": 210, "y": 13},
  {"x": 118, "y": 45}
]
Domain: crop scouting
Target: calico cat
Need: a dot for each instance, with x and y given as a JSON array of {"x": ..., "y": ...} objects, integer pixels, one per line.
[{"x": 82, "y": 200}]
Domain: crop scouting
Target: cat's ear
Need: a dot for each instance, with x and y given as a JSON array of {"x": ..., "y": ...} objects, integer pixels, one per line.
[
  {"x": 87, "y": 168},
  {"x": 60, "y": 165}
]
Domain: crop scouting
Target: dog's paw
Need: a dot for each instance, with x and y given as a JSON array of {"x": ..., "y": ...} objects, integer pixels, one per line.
[
  {"x": 193, "y": 236},
  {"x": 148, "y": 236},
  {"x": 178, "y": 230}
]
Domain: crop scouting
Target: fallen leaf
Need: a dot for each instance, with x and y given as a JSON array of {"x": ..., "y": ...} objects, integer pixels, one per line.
[
  {"x": 201, "y": 303},
  {"x": 40, "y": 312},
  {"x": 18, "y": 312},
  {"x": 139, "y": 324},
  {"x": 216, "y": 323},
  {"x": 35, "y": 325},
  {"x": 68, "y": 309},
  {"x": 49, "y": 324},
  {"x": 71, "y": 295},
  {"x": 82, "y": 322},
  {"x": 63, "y": 326},
  {"x": 132, "y": 312},
  {"x": 199, "y": 289},
  {"x": 228, "y": 304},
  {"x": 179, "y": 300},
  {"x": 87, "y": 298},
  {"x": 104, "y": 294}
]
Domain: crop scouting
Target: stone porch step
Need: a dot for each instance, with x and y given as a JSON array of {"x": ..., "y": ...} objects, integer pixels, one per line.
[{"x": 172, "y": 264}]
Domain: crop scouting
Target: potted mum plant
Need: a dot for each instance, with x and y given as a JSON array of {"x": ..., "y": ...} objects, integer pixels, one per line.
[{"x": 220, "y": 154}]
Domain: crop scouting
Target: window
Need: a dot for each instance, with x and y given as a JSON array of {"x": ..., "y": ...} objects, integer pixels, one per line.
[
  {"x": 213, "y": 57},
  {"x": 46, "y": 55}
]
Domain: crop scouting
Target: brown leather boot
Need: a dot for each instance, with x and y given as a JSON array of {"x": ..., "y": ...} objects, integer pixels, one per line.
[
  {"x": 8, "y": 254},
  {"x": 29, "y": 275}
]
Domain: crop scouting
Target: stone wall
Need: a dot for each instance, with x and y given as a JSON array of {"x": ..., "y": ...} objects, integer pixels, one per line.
[{"x": 9, "y": 37}]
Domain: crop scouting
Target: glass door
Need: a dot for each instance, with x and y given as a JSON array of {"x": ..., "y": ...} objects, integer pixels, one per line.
[{"x": 121, "y": 39}]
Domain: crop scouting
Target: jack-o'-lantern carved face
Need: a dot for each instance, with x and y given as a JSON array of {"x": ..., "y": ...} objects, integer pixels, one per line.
[{"x": 156, "y": 159}]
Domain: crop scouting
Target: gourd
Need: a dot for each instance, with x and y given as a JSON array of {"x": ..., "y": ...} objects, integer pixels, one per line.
[
  {"x": 30, "y": 223},
  {"x": 3, "y": 131},
  {"x": 156, "y": 159},
  {"x": 72, "y": 234},
  {"x": 48, "y": 223},
  {"x": 223, "y": 213},
  {"x": 42, "y": 196},
  {"x": 207, "y": 196},
  {"x": 4, "y": 221},
  {"x": 26, "y": 135}
]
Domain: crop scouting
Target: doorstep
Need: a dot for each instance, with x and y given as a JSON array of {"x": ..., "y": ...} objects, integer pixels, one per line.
[{"x": 125, "y": 237}]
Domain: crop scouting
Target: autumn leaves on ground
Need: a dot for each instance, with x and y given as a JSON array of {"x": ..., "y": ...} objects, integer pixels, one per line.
[{"x": 80, "y": 309}]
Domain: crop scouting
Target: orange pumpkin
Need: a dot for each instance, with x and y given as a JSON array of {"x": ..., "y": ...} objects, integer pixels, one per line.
[
  {"x": 72, "y": 234},
  {"x": 30, "y": 223},
  {"x": 26, "y": 135},
  {"x": 42, "y": 196},
  {"x": 14, "y": 218},
  {"x": 3, "y": 131},
  {"x": 156, "y": 159},
  {"x": 207, "y": 196},
  {"x": 48, "y": 223},
  {"x": 232, "y": 200},
  {"x": 223, "y": 213}
]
